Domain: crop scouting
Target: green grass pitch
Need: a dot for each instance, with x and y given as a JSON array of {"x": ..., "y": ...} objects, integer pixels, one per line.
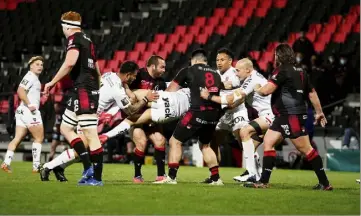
[{"x": 23, "y": 193}]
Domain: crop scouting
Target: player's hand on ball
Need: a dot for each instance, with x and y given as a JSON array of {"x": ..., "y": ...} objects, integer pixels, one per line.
[
  {"x": 320, "y": 118},
  {"x": 227, "y": 84},
  {"x": 204, "y": 93},
  {"x": 152, "y": 95}
]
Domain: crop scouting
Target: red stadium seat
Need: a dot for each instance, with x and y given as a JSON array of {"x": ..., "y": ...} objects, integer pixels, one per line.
[
  {"x": 356, "y": 28},
  {"x": 113, "y": 64},
  {"x": 316, "y": 28},
  {"x": 4, "y": 106},
  {"x": 2, "y": 5},
  {"x": 173, "y": 38},
  {"x": 153, "y": 47},
  {"x": 280, "y": 3},
  {"x": 339, "y": 37},
  {"x": 146, "y": 55},
  {"x": 238, "y": 4},
  {"x": 202, "y": 38},
  {"x": 247, "y": 12},
  {"x": 261, "y": 12},
  {"x": 311, "y": 36},
  {"x": 355, "y": 9},
  {"x": 336, "y": 19},
  {"x": 188, "y": 38},
  {"x": 324, "y": 37},
  {"x": 119, "y": 55},
  {"x": 251, "y": 4},
  {"x": 200, "y": 21},
  {"x": 219, "y": 12},
  {"x": 11, "y": 5},
  {"x": 193, "y": 30},
  {"x": 319, "y": 46},
  {"x": 141, "y": 63},
  {"x": 345, "y": 27},
  {"x": 208, "y": 30},
  {"x": 330, "y": 27},
  {"x": 160, "y": 38},
  {"x": 133, "y": 55},
  {"x": 233, "y": 12},
  {"x": 213, "y": 21},
  {"x": 163, "y": 54},
  {"x": 228, "y": 21},
  {"x": 241, "y": 21},
  {"x": 262, "y": 65},
  {"x": 181, "y": 47},
  {"x": 255, "y": 55},
  {"x": 292, "y": 37},
  {"x": 140, "y": 46},
  {"x": 101, "y": 64},
  {"x": 272, "y": 46},
  {"x": 222, "y": 30},
  {"x": 105, "y": 70},
  {"x": 181, "y": 30},
  {"x": 267, "y": 56},
  {"x": 265, "y": 4},
  {"x": 168, "y": 47}
]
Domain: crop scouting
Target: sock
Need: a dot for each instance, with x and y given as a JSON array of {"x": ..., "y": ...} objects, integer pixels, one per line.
[
  {"x": 214, "y": 173},
  {"x": 8, "y": 157},
  {"x": 172, "y": 170},
  {"x": 258, "y": 165},
  {"x": 79, "y": 147},
  {"x": 65, "y": 165},
  {"x": 248, "y": 153},
  {"x": 96, "y": 157},
  {"x": 36, "y": 150},
  {"x": 269, "y": 160},
  {"x": 317, "y": 165},
  {"x": 159, "y": 155},
  {"x": 138, "y": 160},
  {"x": 63, "y": 158},
  {"x": 119, "y": 129}
]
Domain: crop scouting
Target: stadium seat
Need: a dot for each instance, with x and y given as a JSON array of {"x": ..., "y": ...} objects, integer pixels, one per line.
[
  {"x": 219, "y": 12},
  {"x": 193, "y": 30},
  {"x": 188, "y": 38},
  {"x": 227, "y": 21},
  {"x": 213, "y": 21},
  {"x": 202, "y": 38},
  {"x": 222, "y": 30},
  {"x": 145, "y": 55},
  {"x": 180, "y": 30},
  {"x": 208, "y": 30},
  {"x": 317, "y": 28},
  {"x": 233, "y": 12},
  {"x": 238, "y": 4},
  {"x": 339, "y": 37},
  {"x": 140, "y": 46},
  {"x": 153, "y": 47},
  {"x": 319, "y": 46},
  {"x": 133, "y": 55},
  {"x": 101, "y": 64},
  {"x": 241, "y": 21},
  {"x": 113, "y": 64},
  {"x": 200, "y": 21},
  {"x": 119, "y": 55},
  {"x": 255, "y": 55},
  {"x": 181, "y": 47},
  {"x": 167, "y": 47},
  {"x": 261, "y": 12},
  {"x": 356, "y": 28},
  {"x": 173, "y": 38}
]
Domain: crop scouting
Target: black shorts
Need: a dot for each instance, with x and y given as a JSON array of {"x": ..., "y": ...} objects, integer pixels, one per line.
[
  {"x": 290, "y": 126},
  {"x": 197, "y": 124},
  {"x": 82, "y": 101}
]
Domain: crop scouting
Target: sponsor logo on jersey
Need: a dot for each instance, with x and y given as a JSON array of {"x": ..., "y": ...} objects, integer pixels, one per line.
[
  {"x": 213, "y": 89},
  {"x": 91, "y": 63},
  {"x": 166, "y": 107},
  {"x": 24, "y": 82}
]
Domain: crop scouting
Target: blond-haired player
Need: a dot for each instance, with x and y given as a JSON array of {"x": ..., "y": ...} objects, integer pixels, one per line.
[{"x": 28, "y": 117}]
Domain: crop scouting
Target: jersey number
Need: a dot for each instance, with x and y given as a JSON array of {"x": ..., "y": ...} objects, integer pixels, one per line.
[
  {"x": 209, "y": 79},
  {"x": 76, "y": 105}
]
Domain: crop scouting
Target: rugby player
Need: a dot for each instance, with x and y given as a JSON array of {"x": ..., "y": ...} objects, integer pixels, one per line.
[
  {"x": 28, "y": 116},
  {"x": 201, "y": 119},
  {"x": 149, "y": 78},
  {"x": 112, "y": 96},
  {"x": 235, "y": 117},
  {"x": 81, "y": 63},
  {"x": 258, "y": 127},
  {"x": 290, "y": 87}
]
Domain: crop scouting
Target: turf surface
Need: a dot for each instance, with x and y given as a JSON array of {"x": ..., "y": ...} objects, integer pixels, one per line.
[{"x": 290, "y": 193}]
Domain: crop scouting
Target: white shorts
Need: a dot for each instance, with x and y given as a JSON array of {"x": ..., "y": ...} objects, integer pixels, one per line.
[
  {"x": 163, "y": 110},
  {"x": 268, "y": 117},
  {"x": 72, "y": 120},
  {"x": 25, "y": 118},
  {"x": 233, "y": 120}
]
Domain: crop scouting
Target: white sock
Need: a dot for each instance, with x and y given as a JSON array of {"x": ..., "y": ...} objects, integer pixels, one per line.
[
  {"x": 120, "y": 128},
  {"x": 258, "y": 165},
  {"x": 248, "y": 152},
  {"x": 63, "y": 158},
  {"x": 36, "y": 150},
  {"x": 70, "y": 163},
  {"x": 8, "y": 157}
]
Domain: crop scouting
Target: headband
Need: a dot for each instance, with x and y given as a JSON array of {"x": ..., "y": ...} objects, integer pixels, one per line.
[{"x": 70, "y": 24}]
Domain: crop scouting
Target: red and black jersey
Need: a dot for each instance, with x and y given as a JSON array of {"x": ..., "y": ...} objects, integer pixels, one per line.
[
  {"x": 84, "y": 73},
  {"x": 145, "y": 81},
  {"x": 200, "y": 76},
  {"x": 293, "y": 86}
]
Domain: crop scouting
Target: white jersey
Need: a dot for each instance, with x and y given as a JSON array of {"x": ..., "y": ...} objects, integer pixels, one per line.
[
  {"x": 32, "y": 85},
  {"x": 261, "y": 103},
  {"x": 112, "y": 93},
  {"x": 170, "y": 105},
  {"x": 230, "y": 75}
]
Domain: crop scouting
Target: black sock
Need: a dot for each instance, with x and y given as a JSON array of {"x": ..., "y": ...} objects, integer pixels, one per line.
[
  {"x": 269, "y": 160},
  {"x": 317, "y": 165},
  {"x": 138, "y": 161},
  {"x": 172, "y": 170},
  {"x": 214, "y": 173},
  {"x": 97, "y": 159},
  {"x": 159, "y": 155},
  {"x": 80, "y": 149}
]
